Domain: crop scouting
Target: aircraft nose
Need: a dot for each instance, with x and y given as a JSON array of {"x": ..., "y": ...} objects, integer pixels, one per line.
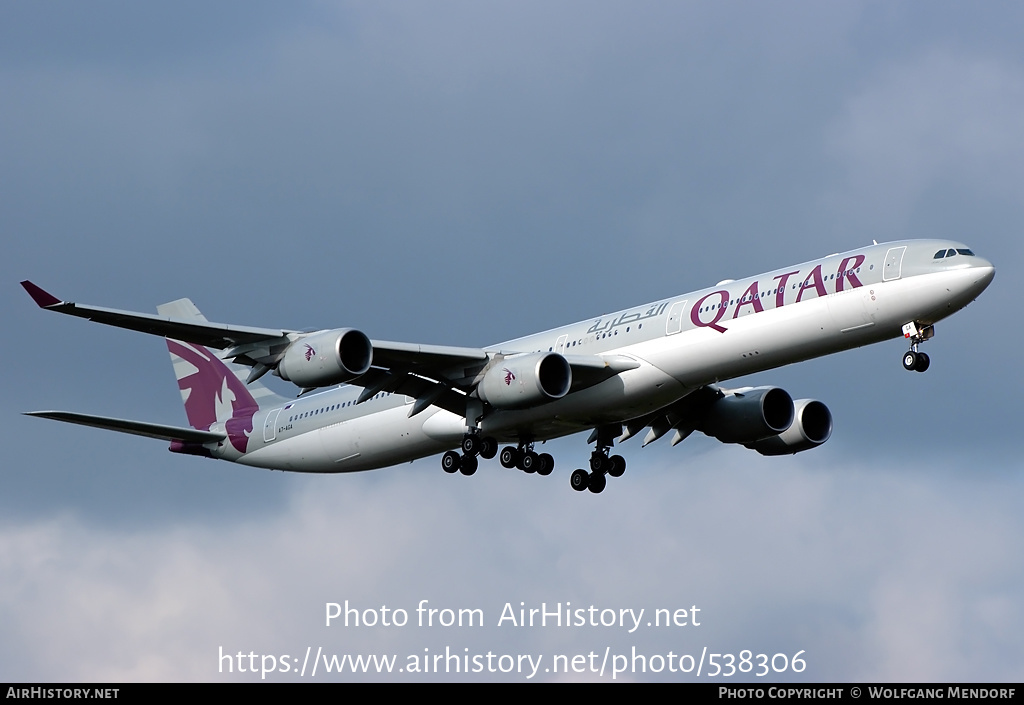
[
  {"x": 984, "y": 272},
  {"x": 984, "y": 267}
]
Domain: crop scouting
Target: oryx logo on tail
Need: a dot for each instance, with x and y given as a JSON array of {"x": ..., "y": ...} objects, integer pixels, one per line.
[{"x": 212, "y": 393}]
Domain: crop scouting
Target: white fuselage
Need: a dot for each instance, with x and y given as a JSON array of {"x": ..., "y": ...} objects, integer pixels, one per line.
[{"x": 681, "y": 344}]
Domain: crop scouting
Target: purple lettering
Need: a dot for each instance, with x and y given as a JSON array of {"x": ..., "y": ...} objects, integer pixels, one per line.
[
  {"x": 719, "y": 310},
  {"x": 815, "y": 279},
  {"x": 755, "y": 300},
  {"x": 846, "y": 271},
  {"x": 781, "y": 293}
]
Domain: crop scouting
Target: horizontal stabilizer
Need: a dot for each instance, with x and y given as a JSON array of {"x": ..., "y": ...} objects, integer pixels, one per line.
[{"x": 137, "y": 428}]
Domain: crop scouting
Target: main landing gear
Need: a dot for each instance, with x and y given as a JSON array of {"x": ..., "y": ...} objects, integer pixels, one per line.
[
  {"x": 913, "y": 359},
  {"x": 601, "y": 466},
  {"x": 526, "y": 459},
  {"x": 522, "y": 457},
  {"x": 473, "y": 445}
]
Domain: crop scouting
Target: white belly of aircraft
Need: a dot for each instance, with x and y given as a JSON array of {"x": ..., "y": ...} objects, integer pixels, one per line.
[{"x": 377, "y": 440}]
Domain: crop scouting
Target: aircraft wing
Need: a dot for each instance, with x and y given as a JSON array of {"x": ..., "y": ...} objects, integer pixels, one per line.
[
  {"x": 444, "y": 376},
  {"x": 436, "y": 375},
  {"x": 213, "y": 335},
  {"x": 406, "y": 356},
  {"x": 458, "y": 363},
  {"x": 136, "y": 428}
]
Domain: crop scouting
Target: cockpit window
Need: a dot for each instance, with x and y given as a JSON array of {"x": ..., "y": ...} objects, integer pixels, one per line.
[{"x": 952, "y": 253}]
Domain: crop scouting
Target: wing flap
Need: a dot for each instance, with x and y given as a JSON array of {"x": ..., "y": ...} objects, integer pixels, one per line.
[{"x": 411, "y": 385}]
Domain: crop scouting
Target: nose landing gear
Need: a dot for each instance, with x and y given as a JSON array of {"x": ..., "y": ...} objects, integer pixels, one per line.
[{"x": 913, "y": 359}]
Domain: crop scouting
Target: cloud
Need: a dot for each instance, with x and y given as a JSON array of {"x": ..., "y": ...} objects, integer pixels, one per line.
[{"x": 876, "y": 573}]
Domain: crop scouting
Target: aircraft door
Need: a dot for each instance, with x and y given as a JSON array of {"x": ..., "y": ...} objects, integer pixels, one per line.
[
  {"x": 560, "y": 345},
  {"x": 270, "y": 426},
  {"x": 893, "y": 263},
  {"x": 674, "y": 323}
]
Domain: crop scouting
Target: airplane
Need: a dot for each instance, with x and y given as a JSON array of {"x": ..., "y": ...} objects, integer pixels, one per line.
[{"x": 367, "y": 404}]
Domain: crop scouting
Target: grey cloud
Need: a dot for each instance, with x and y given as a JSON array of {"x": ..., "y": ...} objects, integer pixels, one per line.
[{"x": 889, "y": 566}]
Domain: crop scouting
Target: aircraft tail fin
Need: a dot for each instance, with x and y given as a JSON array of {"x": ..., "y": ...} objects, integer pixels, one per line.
[{"x": 213, "y": 389}]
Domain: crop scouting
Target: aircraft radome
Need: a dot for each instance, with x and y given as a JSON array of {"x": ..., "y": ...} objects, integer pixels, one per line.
[{"x": 370, "y": 404}]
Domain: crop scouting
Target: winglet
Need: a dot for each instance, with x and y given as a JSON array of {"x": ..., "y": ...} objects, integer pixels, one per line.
[{"x": 43, "y": 299}]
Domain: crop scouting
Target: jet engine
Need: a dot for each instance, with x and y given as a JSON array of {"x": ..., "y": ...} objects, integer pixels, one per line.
[
  {"x": 749, "y": 415},
  {"x": 326, "y": 358},
  {"x": 811, "y": 427},
  {"x": 524, "y": 381}
]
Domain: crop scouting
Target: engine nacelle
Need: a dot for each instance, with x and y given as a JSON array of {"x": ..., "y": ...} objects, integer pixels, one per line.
[
  {"x": 524, "y": 381},
  {"x": 750, "y": 415},
  {"x": 326, "y": 358},
  {"x": 811, "y": 427}
]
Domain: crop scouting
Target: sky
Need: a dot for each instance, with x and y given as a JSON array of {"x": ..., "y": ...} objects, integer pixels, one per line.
[{"x": 463, "y": 173}]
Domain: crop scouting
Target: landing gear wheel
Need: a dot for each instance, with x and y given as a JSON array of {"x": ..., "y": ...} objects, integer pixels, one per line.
[
  {"x": 618, "y": 466},
  {"x": 468, "y": 465},
  {"x": 580, "y": 480},
  {"x": 471, "y": 444},
  {"x": 910, "y": 360},
  {"x": 546, "y": 464},
  {"x": 597, "y": 483},
  {"x": 529, "y": 461},
  {"x": 509, "y": 457},
  {"x": 450, "y": 461},
  {"x": 488, "y": 447},
  {"x": 598, "y": 462},
  {"x": 923, "y": 361}
]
